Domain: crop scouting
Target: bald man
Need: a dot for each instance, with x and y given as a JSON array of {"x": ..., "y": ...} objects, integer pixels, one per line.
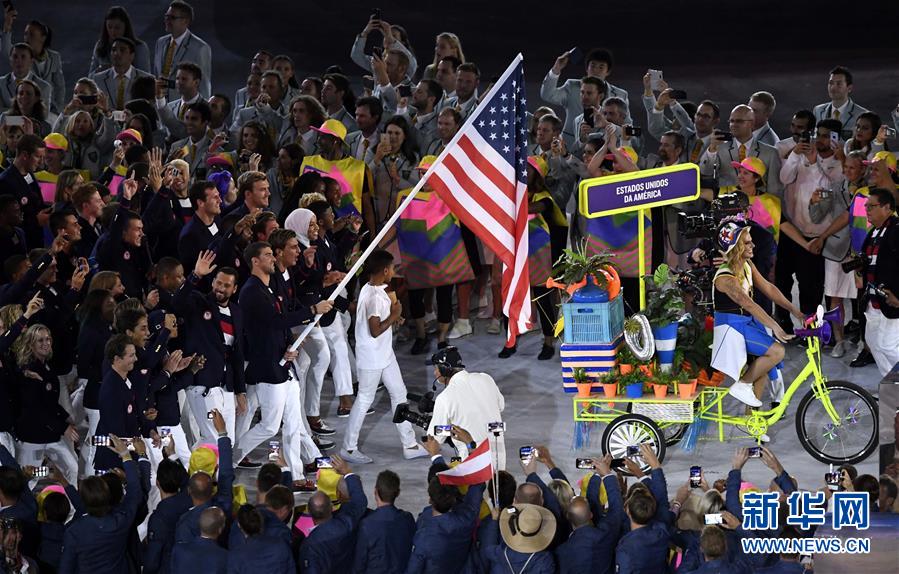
[
  {"x": 591, "y": 546},
  {"x": 205, "y": 549},
  {"x": 716, "y": 161},
  {"x": 528, "y": 493},
  {"x": 325, "y": 550}
]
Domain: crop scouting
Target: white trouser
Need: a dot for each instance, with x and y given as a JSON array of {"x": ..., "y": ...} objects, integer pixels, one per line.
[
  {"x": 188, "y": 422},
  {"x": 65, "y": 399},
  {"x": 88, "y": 451},
  {"x": 60, "y": 452},
  {"x": 341, "y": 370},
  {"x": 882, "y": 338},
  {"x": 497, "y": 450},
  {"x": 280, "y": 402},
  {"x": 301, "y": 392},
  {"x": 182, "y": 448},
  {"x": 217, "y": 398},
  {"x": 347, "y": 324},
  {"x": 77, "y": 397},
  {"x": 242, "y": 422},
  {"x": 9, "y": 442},
  {"x": 368, "y": 384},
  {"x": 311, "y": 366}
]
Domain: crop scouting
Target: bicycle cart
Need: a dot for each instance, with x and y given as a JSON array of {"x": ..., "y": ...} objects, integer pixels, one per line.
[{"x": 836, "y": 421}]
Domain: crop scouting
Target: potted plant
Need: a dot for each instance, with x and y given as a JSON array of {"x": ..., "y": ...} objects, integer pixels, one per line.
[
  {"x": 626, "y": 359},
  {"x": 609, "y": 382},
  {"x": 685, "y": 385},
  {"x": 586, "y": 278},
  {"x": 664, "y": 308},
  {"x": 584, "y": 382},
  {"x": 632, "y": 383},
  {"x": 660, "y": 381}
]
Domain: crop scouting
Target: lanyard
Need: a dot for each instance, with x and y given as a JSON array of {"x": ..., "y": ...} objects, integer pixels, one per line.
[{"x": 509, "y": 564}]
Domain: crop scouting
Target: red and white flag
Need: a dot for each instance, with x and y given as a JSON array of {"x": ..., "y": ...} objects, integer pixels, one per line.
[
  {"x": 475, "y": 469},
  {"x": 482, "y": 177}
]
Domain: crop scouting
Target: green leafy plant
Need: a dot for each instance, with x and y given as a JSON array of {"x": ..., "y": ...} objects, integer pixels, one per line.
[
  {"x": 580, "y": 375},
  {"x": 574, "y": 265},
  {"x": 609, "y": 378},
  {"x": 632, "y": 378},
  {"x": 664, "y": 301},
  {"x": 695, "y": 343},
  {"x": 625, "y": 356}
]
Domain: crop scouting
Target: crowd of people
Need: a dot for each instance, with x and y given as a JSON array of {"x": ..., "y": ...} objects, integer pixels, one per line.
[{"x": 163, "y": 244}]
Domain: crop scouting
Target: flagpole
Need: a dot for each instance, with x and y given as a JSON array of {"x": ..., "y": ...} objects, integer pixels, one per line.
[{"x": 399, "y": 210}]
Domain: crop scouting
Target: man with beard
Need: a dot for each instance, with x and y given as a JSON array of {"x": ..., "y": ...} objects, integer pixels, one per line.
[
  {"x": 425, "y": 97},
  {"x": 448, "y": 123},
  {"x": 803, "y": 121},
  {"x": 213, "y": 328}
]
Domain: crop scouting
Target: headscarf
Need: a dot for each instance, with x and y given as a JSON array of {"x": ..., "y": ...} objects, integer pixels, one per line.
[{"x": 298, "y": 222}]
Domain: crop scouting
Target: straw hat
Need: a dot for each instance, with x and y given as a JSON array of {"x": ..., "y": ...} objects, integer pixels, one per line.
[{"x": 527, "y": 528}]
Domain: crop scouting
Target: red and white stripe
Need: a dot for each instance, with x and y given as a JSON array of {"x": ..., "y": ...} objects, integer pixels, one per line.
[
  {"x": 477, "y": 468},
  {"x": 482, "y": 190}
]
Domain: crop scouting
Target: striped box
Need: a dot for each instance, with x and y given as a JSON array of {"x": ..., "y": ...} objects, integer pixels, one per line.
[{"x": 593, "y": 358}]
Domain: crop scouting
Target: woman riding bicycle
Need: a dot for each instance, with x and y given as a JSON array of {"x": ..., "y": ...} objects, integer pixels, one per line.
[{"x": 741, "y": 326}]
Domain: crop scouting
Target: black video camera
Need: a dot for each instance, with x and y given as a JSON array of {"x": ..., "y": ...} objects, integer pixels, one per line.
[
  {"x": 698, "y": 283},
  {"x": 855, "y": 263},
  {"x": 705, "y": 225},
  {"x": 425, "y": 404}
]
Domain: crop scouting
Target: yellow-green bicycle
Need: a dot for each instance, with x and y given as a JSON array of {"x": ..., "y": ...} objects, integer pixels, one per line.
[{"x": 836, "y": 421}]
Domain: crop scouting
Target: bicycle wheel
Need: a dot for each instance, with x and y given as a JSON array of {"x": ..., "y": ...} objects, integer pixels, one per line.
[
  {"x": 853, "y": 439},
  {"x": 673, "y": 432},
  {"x": 632, "y": 430}
]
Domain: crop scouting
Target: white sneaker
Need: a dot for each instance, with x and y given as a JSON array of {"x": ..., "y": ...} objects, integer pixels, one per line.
[
  {"x": 461, "y": 328},
  {"x": 743, "y": 393},
  {"x": 413, "y": 453},
  {"x": 494, "y": 327},
  {"x": 355, "y": 457},
  {"x": 840, "y": 348}
]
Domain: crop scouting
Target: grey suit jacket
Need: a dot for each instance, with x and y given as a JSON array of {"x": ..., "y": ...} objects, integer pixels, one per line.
[
  {"x": 199, "y": 155},
  {"x": 106, "y": 81},
  {"x": 192, "y": 49},
  {"x": 353, "y": 140},
  {"x": 273, "y": 119},
  {"x": 568, "y": 96},
  {"x": 730, "y": 151},
  {"x": 848, "y": 118},
  {"x": 141, "y": 59},
  {"x": 8, "y": 90},
  {"x": 49, "y": 70},
  {"x": 169, "y": 116},
  {"x": 239, "y": 103},
  {"x": 767, "y": 135}
]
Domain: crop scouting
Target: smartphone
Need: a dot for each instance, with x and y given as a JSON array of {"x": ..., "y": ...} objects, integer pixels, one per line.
[
  {"x": 617, "y": 463},
  {"x": 724, "y": 136},
  {"x": 88, "y": 99},
  {"x": 376, "y": 14},
  {"x": 633, "y": 450},
  {"x": 655, "y": 80},
  {"x": 583, "y": 463},
  {"x": 835, "y": 137},
  {"x": 695, "y": 476},
  {"x": 274, "y": 450},
  {"x": 806, "y": 136},
  {"x": 678, "y": 95},
  {"x": 100, "y": 440},
  {"x": 576, "y": 56},
  {"x": 832, "y": 480},
  {"x": 526, "y": 453},
  {"x": 496, "y": 428},
  {"x": 377, "y": 51},
  {"x": 129, "y": 442},
  {"x": 455, "y": 459},
  {"x": 713, "y": 519},
  {"x": 755, "y": 452},
  {"x": 443, "y": 431},
  {"x": 210, "y": 415},
  {"x": 404, "y": 91},
  {"x": 368, "y": 83},
  {"x": 41, "y": 471},
  {"x": 14, "y": 121},
  {"x": 323, "y": 462},
  {"x": 588, "y": 117},
  {"x": 890, "y": 133},
  {"x": 118, "y": 115},
  {"x": 633, "y": 131}
]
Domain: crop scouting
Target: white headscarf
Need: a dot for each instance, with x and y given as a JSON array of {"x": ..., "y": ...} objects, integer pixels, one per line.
[{"x": 298, "y": 222}]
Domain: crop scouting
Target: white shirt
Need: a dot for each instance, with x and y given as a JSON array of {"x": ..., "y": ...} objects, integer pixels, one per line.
[
  {"x": 470, "y": 401},
  {"x": 373, "y": 353},
  {"x": 800, "y": 180},
  {"x": 181, "y": 38},
  {"x": 841, "y": 109}
]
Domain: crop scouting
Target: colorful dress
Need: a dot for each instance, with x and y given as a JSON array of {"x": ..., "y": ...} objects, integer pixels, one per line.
[
  {"x": 350, "y": 173},
  {"x": 540, "y": 238}
]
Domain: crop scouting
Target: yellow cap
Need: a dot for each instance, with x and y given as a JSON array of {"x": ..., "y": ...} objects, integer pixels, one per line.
[
  {"x": 426, "y": 162},
  {"x": 56, "y": 141},
  {"x": 333, "y": 128},
  {"x": 537, "y": 162},
  {"x": 752, "y": 164},
  {"x": 884, "y": 156}
]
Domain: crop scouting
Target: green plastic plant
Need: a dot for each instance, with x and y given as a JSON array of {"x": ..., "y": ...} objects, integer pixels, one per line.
[
  {"x": 664, "y": 301},
  {"x": 574, "y": 265}
]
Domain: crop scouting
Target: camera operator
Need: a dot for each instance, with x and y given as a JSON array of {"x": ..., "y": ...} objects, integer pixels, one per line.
[
  {"x": 740, "y": 322},
  {"x": 469, "y": 400},
  {"x": 879, "y": 277}
]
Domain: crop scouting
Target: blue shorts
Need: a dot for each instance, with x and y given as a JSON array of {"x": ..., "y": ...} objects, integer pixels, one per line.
[{"x": 755, "y": 336}]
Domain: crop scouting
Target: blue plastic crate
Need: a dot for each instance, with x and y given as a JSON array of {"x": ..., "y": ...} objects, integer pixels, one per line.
[{"x": 593, "y": 322}]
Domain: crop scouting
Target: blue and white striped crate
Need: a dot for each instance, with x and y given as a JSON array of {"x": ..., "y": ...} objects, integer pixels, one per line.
[{"x": 596, "y": 359}]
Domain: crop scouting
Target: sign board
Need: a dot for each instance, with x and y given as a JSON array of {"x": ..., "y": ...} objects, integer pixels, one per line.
[{"x": 626, "y": 192}]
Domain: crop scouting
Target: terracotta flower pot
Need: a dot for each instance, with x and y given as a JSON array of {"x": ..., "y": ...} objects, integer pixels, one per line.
[
  {"x": 686, "y": 390},
  {"x": 625, "y": 368},
  {"x": 660, "y": 391},
  {"x": 609, "y": 390},
  {"x": 584, "y": 389}
]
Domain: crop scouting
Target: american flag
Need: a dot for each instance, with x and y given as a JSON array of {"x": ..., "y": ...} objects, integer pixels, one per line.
[{"x": 481, "y": 176}]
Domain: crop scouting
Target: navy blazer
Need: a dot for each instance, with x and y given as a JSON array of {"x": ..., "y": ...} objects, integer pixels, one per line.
[
  {"x": 119, "y": 407},
  {"x": 592, "y": 548},
  {"x": 551, "y": 503},
  {"x": 50, "y": 553},
  {"x": 202, "y": 554},
  {"x": 92, "y": 338},
  {"x": 328, "y": 548},
  {"x": 495, "y": 553},
  {"x": 195, "y": 237},
  {"x": 16, "y": 292},
  {"x": 188, "y": 527},
  {"x": 261, "y": 554},
  {"x": 132, "y": 263},
  {"x": 24, "y": 510},
  {"x": 41, "y": 419},
  {"x": 271, "y": 527},
  {"x": 97, "y": 545},
  {"x": 30, "y": 199},
  {"x": 268, "y": 333},
  {"x": 442, "y": 543},
  {"x": 8, "y": 396},
  {"x": 384, "y": 541},
  {"x": 645, "y": 550},
  {"x": 783, "y": 567},
  {"x": 164, "y": 219},
  {"x": 161, "y": 532},
  {"x": 203, "y": 335}
]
